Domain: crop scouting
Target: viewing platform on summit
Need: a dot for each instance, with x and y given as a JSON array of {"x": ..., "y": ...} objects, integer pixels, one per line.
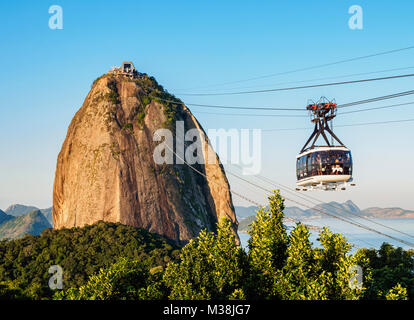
[{"x": 126, "y": 69}]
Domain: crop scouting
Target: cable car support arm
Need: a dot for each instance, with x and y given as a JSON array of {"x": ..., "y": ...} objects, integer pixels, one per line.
[{"x": 322, "y": 113}]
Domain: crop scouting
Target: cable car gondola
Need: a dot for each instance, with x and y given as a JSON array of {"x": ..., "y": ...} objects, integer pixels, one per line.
[{"x": 327, "y": 167}]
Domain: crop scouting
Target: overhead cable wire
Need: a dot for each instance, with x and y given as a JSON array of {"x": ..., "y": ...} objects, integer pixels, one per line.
[
  {"x": 302, "y": 116},
  {"x": 343, "y": 125},
  {"x": 254, "y": 115},
  {"x": 240, "y": 108},
  {"x": 317, "y": 79},
  {"x": 354, "y": 103},
  {"x": 286, "y": 189},
  {"x": 378, "y": 108},
  {"x": 329, "y": 214},
  {"x": 308, "y": 68},
  {"x": 205, "y": 176},
  {"x": 243, "y": 197},
  {"x": 299, "y": 87},
  {"x": 386, "y": 97},
  {"x": 313, "y": 199}
]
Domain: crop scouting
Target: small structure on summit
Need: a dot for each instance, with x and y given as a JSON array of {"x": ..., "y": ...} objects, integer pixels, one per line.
[{"x": 127, "y": 69}]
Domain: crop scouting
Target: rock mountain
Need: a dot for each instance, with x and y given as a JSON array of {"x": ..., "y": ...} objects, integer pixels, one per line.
[{"x": 106, "y": 171}]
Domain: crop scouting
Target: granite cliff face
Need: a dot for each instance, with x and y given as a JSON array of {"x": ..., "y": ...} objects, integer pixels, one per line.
[{"x": 106, "y": 171}]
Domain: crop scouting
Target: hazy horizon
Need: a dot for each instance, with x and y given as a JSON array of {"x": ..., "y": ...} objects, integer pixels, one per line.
[
  {"x": 192, "y": 47},
  {"x": 244, "y": 206}
]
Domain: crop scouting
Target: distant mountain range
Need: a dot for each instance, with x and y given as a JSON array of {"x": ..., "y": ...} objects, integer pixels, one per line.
[
  {"x": 246, "y": 215},
  {"x": 33, "y": 223},
  {"x": 346, "y": 208},
  {"x": 16, "y": 210},
  {"x": 19, "y": 220},
  {"x": 19, "y": 210}
]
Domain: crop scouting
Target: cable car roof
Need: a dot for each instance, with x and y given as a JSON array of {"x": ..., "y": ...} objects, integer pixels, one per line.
[{"x": 325, "y": 148}]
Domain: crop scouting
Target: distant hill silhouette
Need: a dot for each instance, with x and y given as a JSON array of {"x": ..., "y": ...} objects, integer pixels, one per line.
[
  {"x": 347, "y": 208},
  {"x": 4, "y": 217},
  {"x": 21, "y": 209},
  {"x": 33, "y": 223}
]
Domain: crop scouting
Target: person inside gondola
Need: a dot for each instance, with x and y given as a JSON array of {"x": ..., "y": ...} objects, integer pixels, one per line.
[
  {"x": 319, "y": 170},
  {"x": 337, "y": 169}
]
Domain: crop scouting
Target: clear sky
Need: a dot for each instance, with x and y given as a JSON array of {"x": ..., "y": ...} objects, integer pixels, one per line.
[{"x": 188, "y": 45}]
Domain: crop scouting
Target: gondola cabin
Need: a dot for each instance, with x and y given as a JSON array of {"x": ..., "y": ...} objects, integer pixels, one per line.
[{"x": 324, "y": 166}]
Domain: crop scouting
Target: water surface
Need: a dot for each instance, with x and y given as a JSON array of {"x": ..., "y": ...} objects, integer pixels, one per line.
[{"x": 360, "y": 238}]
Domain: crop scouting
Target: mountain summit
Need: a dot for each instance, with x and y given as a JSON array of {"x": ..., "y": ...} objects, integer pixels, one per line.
[
  {"x": 33, "y": 223},
  {"x": 106, "y": 170},
  {"x": 19, "y": 210}
]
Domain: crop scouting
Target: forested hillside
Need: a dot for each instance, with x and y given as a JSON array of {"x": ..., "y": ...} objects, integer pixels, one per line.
[
  {"x": 24, "y": 263},
  {"x": 108, "y": 261}
]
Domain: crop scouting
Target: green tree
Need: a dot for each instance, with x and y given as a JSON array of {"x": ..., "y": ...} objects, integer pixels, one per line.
[
  {"x": 288, "y": 267},
  {"x": 124, "y": 280},
  {"x": 210, "y": 267},
  {"x": 10, "y": 290},
  {"x": 390, "y": 266},
  {"x": 303, "y": 277},
  {"x": 397, "y": 293},
  {"x": 267, "y": 249},
  {"x": 336, "y": 263}
]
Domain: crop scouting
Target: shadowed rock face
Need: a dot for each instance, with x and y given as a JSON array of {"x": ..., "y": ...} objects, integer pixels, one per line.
[{"x": 106, "y": 171}]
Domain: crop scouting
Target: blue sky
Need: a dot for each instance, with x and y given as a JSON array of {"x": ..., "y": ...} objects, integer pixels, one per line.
[{"x": 190, "y": 45}]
